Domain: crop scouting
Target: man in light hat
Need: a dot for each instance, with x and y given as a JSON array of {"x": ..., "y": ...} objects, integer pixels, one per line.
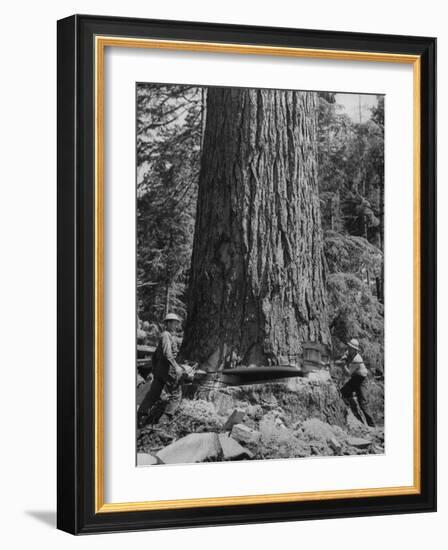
[
  {"x": 166, "y": 372},
  {"x": 357, "y": 384}
]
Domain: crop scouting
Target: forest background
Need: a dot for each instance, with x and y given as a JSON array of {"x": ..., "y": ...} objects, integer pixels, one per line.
[{"x": 170, "y": 137}]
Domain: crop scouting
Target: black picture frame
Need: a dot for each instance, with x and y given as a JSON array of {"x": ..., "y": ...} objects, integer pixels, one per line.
[{"x": 76, "y": 258}]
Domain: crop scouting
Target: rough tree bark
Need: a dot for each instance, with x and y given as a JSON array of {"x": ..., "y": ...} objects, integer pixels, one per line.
[{"x": 256, "y": 282}]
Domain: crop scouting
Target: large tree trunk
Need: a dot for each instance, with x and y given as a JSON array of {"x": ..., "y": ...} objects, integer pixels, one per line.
[{"x": 256, "y": 283}]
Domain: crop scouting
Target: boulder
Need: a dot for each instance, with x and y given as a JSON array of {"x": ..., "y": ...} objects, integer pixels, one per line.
[
  {"x": 335, "y": 444},
  {"x": 196, "y": 447},
  {"x": 235, "y": 418},
  {"x": 244, "y": 434},
  {"x": 145, "y": 459},
  {"x": 355, "y": 426},
  {"x": 231, "y": 449},
  {"x": 319, "y": 376},
  {"x": 224, "y": 402},
  {"x": 273, "y": 430},
  {"x": 313, "y": 399},
  {"x": 325, "y": 436},
  {"x": 358, "y": 442},
  {"x": 315, "y": 429}
]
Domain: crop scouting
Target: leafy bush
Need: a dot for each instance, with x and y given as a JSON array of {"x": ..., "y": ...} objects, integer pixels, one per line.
[
  {"x": 351, "y": 254},
  {"x": 354, "y": 309},
  {"x": 356, "y": 313}
]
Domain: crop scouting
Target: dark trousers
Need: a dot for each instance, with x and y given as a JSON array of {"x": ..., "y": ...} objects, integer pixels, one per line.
[
  {"x": 358, "y": 385},
  {"x": 168, "y": 383}
]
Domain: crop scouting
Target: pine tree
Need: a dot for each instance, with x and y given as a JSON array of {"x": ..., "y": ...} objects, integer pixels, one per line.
[
  {"x": 168, "y": 150},
  {"x": 256, "y": 282}
]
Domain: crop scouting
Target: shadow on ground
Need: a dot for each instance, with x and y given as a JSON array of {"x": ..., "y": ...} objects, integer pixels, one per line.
[{"x": 48, "y": 517}]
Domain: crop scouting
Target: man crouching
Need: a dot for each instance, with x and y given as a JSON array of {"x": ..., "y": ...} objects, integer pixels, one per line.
[{"x": 167, "y": 375}]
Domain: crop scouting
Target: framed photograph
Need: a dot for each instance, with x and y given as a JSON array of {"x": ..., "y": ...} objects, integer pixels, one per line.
[{"x": 246, "y": 274}]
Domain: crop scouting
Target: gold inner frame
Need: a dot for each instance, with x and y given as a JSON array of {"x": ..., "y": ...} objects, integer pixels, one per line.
[{"x": 101, "y": 42}]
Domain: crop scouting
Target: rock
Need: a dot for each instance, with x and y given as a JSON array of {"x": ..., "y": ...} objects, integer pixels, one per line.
[
  {"x": 164, "y": 436},
  {"x": 199, "y": 415},
  {"x": 273, "y": 430},
  {"x": 338, "y": 433},
  {"x": 223, "y": 403},
  {"x": 312, "y": 399},
  {"x": 255, "y": 412},
  {"x": 280, "y": 416},
  {"x": 269, "y": 401},
  {"x": 319, "y": 376},
  {"x": 195, "y": 447},
  {"x": 298, "y": 432},
  {"x": 294, "y": 384},
  {"x": 335, "y": 444},
  {"x": 355, "y": 426},
  {"x": 235, "y": 418},
  {"x": 314, "y": 428},
  {"x": 358, "y": 442},
  {"x": 145, "y": 459},
  {"x": 328, "y": 438},
  {"x": 244, "y": 434},
  {"x": 231, "y": 449}
]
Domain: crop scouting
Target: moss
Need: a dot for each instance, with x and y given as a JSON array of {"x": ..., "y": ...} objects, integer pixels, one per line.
[
  {"x": 351, "y": 254},
  {"x": 356, "y": 313},
  {"x": 353, "y": 307}
]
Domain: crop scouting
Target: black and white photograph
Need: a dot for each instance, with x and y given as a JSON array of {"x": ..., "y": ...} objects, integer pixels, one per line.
[
  {"x": 260, "y": 288},
  {"x": 219, "y": 273}
]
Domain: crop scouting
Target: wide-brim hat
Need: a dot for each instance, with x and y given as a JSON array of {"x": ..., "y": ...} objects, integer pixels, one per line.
[
  {"x": 354, "y": 344},
  {"x": 172, "y": 317}
]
